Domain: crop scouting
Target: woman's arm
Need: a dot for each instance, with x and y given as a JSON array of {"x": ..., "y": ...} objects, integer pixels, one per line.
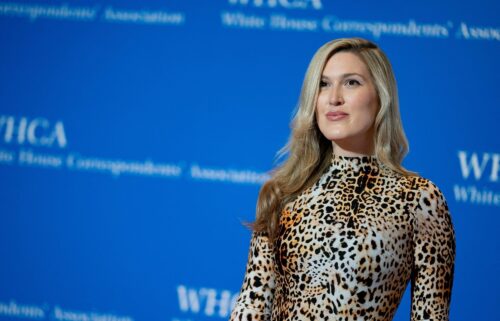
[
  {"x": 254, "y": 301},
  {"x": 434, "y": 256}
]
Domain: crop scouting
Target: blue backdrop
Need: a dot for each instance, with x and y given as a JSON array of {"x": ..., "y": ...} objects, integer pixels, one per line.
[{"x": 134, "y": 137}]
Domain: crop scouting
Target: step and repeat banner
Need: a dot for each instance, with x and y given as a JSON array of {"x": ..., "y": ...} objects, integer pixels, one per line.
[{"x": 134, "y": 137}]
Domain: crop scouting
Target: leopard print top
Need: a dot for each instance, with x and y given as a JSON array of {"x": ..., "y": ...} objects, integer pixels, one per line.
[{"x": 349, "y": 245}]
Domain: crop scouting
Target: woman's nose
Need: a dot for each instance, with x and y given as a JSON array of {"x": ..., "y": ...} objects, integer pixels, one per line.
[{"x": 336, "y": 97}]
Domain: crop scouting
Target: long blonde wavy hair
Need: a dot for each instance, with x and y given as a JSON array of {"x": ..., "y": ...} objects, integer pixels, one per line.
[{"x": 309, "y": 152}]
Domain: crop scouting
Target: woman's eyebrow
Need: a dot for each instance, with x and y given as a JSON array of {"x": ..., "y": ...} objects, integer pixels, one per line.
[{"x": 344, "y": 75}]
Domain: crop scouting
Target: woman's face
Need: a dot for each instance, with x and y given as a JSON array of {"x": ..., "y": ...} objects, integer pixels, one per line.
[{"x": 347, "y": 105}]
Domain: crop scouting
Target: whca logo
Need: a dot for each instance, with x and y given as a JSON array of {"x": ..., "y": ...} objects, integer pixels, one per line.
[
  {"x": 34, "y": 132},
  {"x": 479, "y": 166},
  {"x": 206, "y": 301},
  {"x": 479, "y": 171}
]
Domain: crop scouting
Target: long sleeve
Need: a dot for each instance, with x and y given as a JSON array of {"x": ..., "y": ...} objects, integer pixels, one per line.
[
  {"x": 255, "y": 299},
  {"x": 434, "y": 256}
]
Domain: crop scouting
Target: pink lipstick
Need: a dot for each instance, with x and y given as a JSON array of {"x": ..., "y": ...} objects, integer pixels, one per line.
[{"x": 336, "y": 115}]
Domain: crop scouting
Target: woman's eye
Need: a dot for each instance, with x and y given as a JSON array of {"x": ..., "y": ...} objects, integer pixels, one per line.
[
  {"x": 352, "y": 82},
  {"x": 323, "y": 84}
]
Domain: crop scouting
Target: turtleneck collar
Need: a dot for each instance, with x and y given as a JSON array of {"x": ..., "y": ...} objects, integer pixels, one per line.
[{"x": 365, "y": 162}]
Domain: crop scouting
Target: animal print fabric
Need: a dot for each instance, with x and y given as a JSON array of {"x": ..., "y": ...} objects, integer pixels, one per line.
[{"x": 349, "y": 245}]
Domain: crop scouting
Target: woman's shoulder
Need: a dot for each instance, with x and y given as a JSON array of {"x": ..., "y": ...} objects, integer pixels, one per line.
[
  {"x": 425, "y": 185},
  {"x": 415, "y": 182},
  {"x": 422, "y": 191},
  {"x": 430, "y": 200}
]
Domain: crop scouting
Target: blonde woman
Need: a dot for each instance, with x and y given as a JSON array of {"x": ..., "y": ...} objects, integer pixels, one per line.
[{"x": 342, "y": 228}]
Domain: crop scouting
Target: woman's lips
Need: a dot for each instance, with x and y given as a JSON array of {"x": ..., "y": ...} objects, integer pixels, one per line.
[{"x": 336, "y": 115}]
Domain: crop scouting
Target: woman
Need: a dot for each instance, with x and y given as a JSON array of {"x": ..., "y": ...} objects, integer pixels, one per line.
[{"x": 341, "y": 226}]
